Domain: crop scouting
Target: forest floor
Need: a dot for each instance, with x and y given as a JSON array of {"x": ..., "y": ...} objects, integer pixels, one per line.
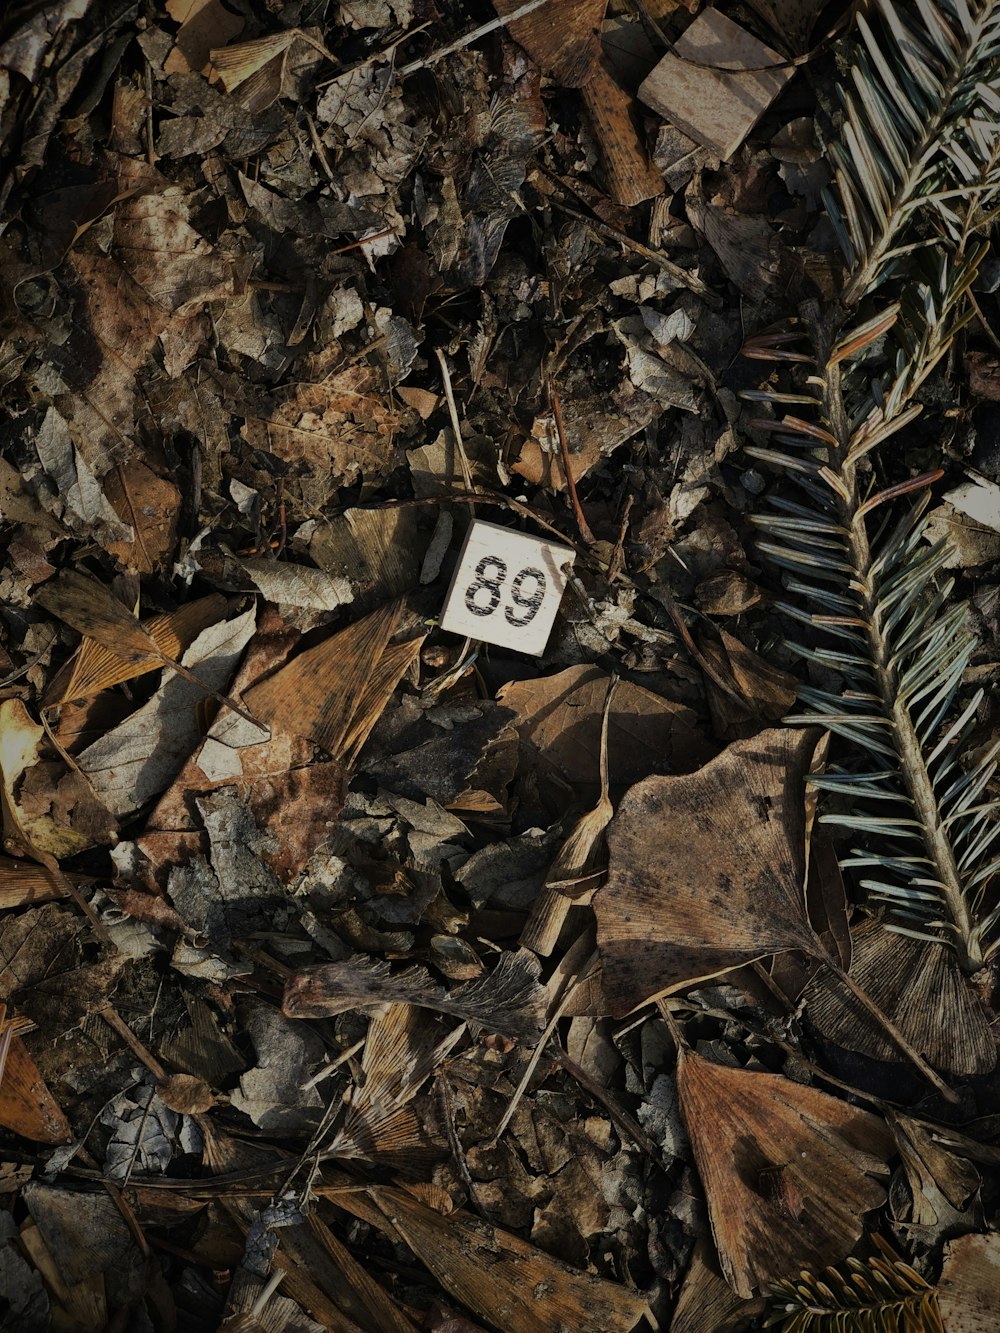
[{"x": 322, "y": 1008}]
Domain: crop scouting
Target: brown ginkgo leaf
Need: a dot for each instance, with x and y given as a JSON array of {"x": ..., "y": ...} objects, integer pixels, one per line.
[
  {"x": 94, "y": 610},
  {"x": 563, "y": 37},
  {"x": 95, "y": 666},
  {"x": 920, "y": 987},
  {"x": 335, "y": 692},
  {"x": 788, "y": 1171},
  {"x": 26, "y": 1104},
  {"x": 706, "y": 870}
]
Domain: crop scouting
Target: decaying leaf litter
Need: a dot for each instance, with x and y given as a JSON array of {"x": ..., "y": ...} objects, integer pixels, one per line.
[{"x": 357, "y": 976}]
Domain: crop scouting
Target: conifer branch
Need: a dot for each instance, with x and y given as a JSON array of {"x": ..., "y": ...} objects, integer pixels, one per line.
[{"x": 918, "y": 171}]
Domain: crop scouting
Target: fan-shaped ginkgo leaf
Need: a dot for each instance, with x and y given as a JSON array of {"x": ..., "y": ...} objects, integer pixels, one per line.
[{"x": 788, "y": 1171}]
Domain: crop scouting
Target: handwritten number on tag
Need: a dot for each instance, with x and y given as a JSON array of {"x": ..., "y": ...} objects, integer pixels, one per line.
[{"x": 491, "y": 574}]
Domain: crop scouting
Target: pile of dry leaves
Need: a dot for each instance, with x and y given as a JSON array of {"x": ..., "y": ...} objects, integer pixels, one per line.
[{"x": 340, "y": 989}]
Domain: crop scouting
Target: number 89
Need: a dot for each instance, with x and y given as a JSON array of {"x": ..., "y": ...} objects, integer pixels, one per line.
[{"x": 530, "y": 603}]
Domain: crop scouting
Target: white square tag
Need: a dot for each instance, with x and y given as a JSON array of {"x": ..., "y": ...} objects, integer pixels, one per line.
[{"x": 506, "y": 588}]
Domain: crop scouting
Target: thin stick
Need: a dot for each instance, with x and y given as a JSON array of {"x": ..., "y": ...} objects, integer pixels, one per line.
[
  {"x": 540, "y": 1046},
  {"x": 890, "y": 1029},
  {"x": 482, "y": 31},
  {"x": 581, "y": 521},
  {"x": 456, "y": 425},
  {"x": 270, "y": 1287},
  {"x": 626, "y": 1125}
]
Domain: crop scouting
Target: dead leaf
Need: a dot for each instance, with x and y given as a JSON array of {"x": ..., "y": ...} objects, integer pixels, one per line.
[
  {"x": 20, "y": 742},
  {"x": 707, "y": 1303},
  {"x": 563, "y": 37},
  {"x": 171, "y": 263},
  {"x": 791, "y": 21},
  {"x": 151, "y": 505},
  {"x": 23, "y": 883},
  {"x": 727, "y": 593},
  {"x": 186, "y": 1094},
  {"x": 26, "y": 1105},
  {"x": 507, "y": 999},
  {"x": 95, "y": 667},
  {"x": 970, "y": 1278},
  {"x": 561, "y": 715},
  {"x": 140, "y": 757},
  {"x": 508, "y": 1283},
  {"x": 940, "y": 1184},
  {"x": 787, "y": 1170},
  {"x": 594, "y": 428},
  {"x": 757, "y": 693},
  {"x": 204, "y": 24},
  {"x": 706, "y": 870},
  {"x": 402, "y": 1050},
  {"x": 336, "y": 692},
  {"x": 91, "y": 609},
  {"x": 341, "y": 429},
  {"x": 632, "y": 177},
  {"x": 919, "y": 986},
  {"x": 257, "y": 69},
  {"x": 581, "y": 860}
]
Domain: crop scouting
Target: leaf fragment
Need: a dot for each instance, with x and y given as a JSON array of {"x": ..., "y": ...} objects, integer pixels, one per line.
[
  {"x": 706, "y": 870},
  {"x": 509, "y": 999}
]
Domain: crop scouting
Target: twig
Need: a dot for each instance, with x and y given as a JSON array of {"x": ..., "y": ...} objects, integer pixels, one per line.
[
  {"x": 675, "y": 271},
  {"x": 485, "y": 498},
  {"x": 115, "y": 1021},
  {"x": 581, "y": 521},
  {"x": 627, "y": 1126},
  {"x": 890, "y": 1028},
  {"x": 150, "y": 151},
  {"x": 482, "y": 31},
  {"x": 457, "y": 1151},
  {"x": 26, "y": 667},
  {"x": 270, "y": 1287},
  {"x": 456, "y": 425},
  {"x": 540, "y": 1045}
]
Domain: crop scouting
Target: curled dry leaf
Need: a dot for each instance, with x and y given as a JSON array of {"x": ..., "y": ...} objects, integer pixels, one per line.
[
  {"x": 706, "y": 870},
  {"x": 35, "y": 830},
  {"x": 787, "y": 1170},
  {"x": 756, "y": 692},
  {"x": 509, "y": 999},
  {"x": 919, "y": 986},
  {"x": 940, "y": 1184},
  {"x": 257, "y": 70}
]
